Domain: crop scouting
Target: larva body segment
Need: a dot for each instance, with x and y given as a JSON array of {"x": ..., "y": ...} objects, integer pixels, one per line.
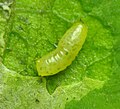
[{"x": 65, "y": 53}]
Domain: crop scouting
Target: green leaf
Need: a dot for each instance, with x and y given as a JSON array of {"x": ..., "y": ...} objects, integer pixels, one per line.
[
  {"x": 31, "y": 29},
  {"x": 19, "y": 89}
]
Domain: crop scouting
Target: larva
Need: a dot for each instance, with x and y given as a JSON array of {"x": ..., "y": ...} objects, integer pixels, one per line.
[{"x": 68, "y": 47}]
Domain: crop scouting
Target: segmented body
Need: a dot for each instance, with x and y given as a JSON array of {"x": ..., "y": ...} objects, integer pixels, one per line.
[{"x": 65, "y": 53}]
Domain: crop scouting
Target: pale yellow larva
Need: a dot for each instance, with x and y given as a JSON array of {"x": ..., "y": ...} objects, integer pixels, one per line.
[{"x": 65, "y": 53}]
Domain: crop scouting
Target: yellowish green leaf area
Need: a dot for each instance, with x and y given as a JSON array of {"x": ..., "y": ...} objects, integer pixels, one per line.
[
  {"x": 31, "y": 29},
  {"x": 3, "y": 23}
]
